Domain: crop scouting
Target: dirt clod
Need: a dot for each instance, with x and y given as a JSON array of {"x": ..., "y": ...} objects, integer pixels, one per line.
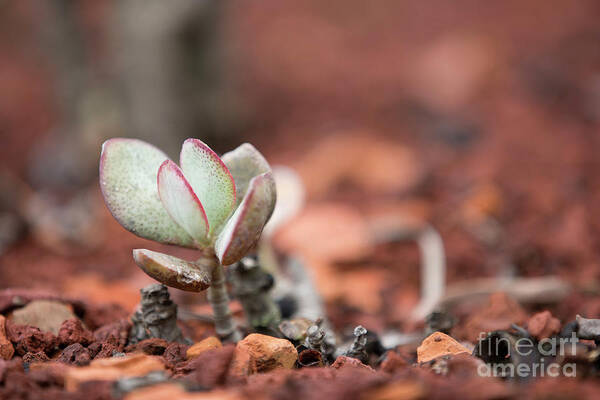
[{"x": 72, "y": 331}]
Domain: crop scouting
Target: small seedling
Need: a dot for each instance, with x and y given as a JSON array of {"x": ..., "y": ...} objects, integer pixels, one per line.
[{"x": 216, "y": 205}]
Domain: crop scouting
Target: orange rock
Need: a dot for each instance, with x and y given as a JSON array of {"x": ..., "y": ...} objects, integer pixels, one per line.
[
  {"x": 6, "y": 348},
  {"x": 345, "y": 362},
  {"x": 437, "y": 345},
  {"x": 209, "y": 343},
  {"x": 543, "y": 325},
  {"x": 175, "y": 391},
  {"x": 109, "y": 369},
  {"x": 261, "y": 353}
]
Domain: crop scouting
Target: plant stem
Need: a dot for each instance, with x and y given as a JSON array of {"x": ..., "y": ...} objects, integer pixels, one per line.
[{"x": 219, "y": 300}]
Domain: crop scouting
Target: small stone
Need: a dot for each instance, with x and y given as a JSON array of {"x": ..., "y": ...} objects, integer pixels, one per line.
[
  {"x": 209, "y": 369},
  {"x": 116, "y": 334},
  {"x": 47, "y": 315},
  {"x": 153, "y": 347},
  {"x": 543, "y": 325},
  {"x": 6, "y": 348},
  {"x": 28, "y": 339},
  {"x": 103, "y": 349},
  {"x": 588, "y": 329},
  {"x": 110, "y": 369},
  {"x": 393, "y": 362},
  {"x": 72, "y": 331},
  {"x": 345, "y": 362},
  {"x": 439, "y": 344},
  {"x": 75, "y": 354},
  {"x": 30, "y": 358},
  {"x": 262, "y": 353},
  {"x": 174, "y": 354},
  {"x": 209, "y": 343}
]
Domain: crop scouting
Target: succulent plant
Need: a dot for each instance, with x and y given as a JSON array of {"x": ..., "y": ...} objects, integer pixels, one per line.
[{"x": 216, "y": 205}]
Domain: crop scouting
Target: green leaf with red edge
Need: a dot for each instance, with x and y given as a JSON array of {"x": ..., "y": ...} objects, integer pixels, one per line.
[
  {"x": 128, "y": 169},
  {"x": 181, "y": 202},
  {"x": 243, "y": 229},
  {"x": 211, "y": 181},
  {"x": 174, "y": 272},
  {"x": 244, "y": 163}
]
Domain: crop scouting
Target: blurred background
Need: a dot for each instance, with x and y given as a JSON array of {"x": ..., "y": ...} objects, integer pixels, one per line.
[{"x": 481, "y": 119}]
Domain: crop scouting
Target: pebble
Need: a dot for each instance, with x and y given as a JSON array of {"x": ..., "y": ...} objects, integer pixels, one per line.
[
  {"x": 46, "y": 315},
  {"x": 209, "y": 343},
  {"x": 437, "y": 345},
  {"x": 262, "y": 353},
  {"x": 543, "y": 325}
]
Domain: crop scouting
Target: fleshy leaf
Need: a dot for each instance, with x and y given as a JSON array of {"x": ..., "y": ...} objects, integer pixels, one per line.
[
  {"x": 245, "y": 226},
  {"x": 181, "y": 202},
  {"x": 211, "y": 181},
  {"x": 128, "y": 169},
  {"x": 244, "y": 163},
  {"x": 173, "y": 271}
]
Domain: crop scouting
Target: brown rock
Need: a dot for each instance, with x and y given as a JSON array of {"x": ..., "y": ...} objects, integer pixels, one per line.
[
  {"x": 28, "y": 339},
  {"x": 393, "y": 362},
  {"x": 437, "y": 345},
  {"x": 47, "y": 315},
  {"x": 75, "y": 354},
  {"x": 72, "y": 331},
  {"x": 210, "y": 368},
  {"x": 174, "y": 354},
  {"x": 209, "y": 343},
  {"x": 500, "y": 313},
  {"x": 6, "y": 348},
  {"x": 152, "y": 346},
  {"x": 103, "y": 349},
  {"x": 109, "y": 369},
  {"x": 543, "y": 325},
  {"x": 261, "y": 353},
  {"x": 116, "y": 334},
  {"x": 345, "y": 362},
  {"x": 40, "y": 356}
]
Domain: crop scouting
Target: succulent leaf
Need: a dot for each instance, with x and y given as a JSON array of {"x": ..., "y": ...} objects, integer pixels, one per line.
[
  {"x": 181, "y": 202},
  {"x": 244, "y": 163},
  {"x": 173, "y": 271},
  {"x": 243, "y": 229},
  {"x": 210, "y": 180},
  {"x": 128, "y": 169}
]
